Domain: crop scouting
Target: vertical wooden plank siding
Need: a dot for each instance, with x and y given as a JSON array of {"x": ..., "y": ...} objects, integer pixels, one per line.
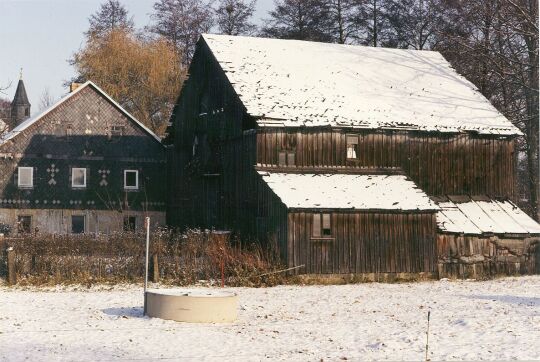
[
  {"x": 440, "y": 164},
  {"x": 364, "y": 242}
]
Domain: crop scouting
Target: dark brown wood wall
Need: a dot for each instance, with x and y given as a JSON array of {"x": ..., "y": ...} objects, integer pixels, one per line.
[
  {"x": 364, "y": 243},
  {"x": 439, "y": 164},
  {"x": 204, "y": 188}
]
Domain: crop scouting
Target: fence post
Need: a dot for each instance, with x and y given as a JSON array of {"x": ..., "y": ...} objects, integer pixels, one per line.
[
  {"x": 12, "y": 274},
  {"x": 155, "y": 269}
]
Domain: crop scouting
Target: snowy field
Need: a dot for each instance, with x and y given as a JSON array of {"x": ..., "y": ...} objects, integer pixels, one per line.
[{"x": 469, "y": 320}]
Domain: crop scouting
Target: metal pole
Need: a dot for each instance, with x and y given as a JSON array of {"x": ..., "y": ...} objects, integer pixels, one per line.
[{"x": 147, "y": 222}]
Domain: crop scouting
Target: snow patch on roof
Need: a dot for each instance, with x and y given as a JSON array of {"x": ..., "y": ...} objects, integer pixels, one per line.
[
  {"x": 291, "y": 83},
  {"x": 346, "y": 191},
  {"x": 479, "y": 217}
]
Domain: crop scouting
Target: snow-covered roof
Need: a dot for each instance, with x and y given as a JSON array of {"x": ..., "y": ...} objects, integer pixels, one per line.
[
  {"x": 479, "y": 217},
  {"x": 347, "y": 191},
  {"x": 30, "y": 121},
  {"x": 295, "y": 83}
]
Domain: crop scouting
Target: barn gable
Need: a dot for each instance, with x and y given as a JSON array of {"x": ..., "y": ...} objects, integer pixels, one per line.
[{"x": 290, "y": 83}]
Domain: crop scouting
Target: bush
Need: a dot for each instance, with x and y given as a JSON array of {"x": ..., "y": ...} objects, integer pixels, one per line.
[{"x": 183, "y": 258}]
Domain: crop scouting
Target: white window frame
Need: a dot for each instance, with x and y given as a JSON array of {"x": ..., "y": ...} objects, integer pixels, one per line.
[
  {"x": 25, "y": 186},
  {"x": 73, "y": 178},
  {"x": 136, "y": 187}
]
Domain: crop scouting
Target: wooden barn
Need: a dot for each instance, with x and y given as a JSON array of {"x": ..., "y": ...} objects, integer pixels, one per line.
[{"x": 352, "y": 159}]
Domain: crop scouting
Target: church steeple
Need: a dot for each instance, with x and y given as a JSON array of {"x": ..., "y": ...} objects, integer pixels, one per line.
[{"x": 20, "y": 106}]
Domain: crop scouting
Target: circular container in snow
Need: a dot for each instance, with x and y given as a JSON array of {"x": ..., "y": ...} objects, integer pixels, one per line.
[{"x": 194, "y": 306}]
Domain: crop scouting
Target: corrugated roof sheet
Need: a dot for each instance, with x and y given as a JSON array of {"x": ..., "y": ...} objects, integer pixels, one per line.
[
  {"x": 346, "y": 191},
  {"x": 479, "y": 217},
  {"x": 291, "y": 83}
]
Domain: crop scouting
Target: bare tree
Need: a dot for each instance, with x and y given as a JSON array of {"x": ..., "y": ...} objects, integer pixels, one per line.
[
  {"x": 111, "y": 15},
  {"x": 298, "y": 19},
  {"x": 343, "y": 20},
  {"x": 233, "y": 17},
  {"x": 494, "y": 43},
  {"x": 373, "y": 23},
  {"x": 182, "y": 22},
  {"x": 46, "y": 99},
  {"x": 414, "y": 24}
]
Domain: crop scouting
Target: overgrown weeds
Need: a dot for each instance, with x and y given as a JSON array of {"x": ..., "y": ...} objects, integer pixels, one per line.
[{"x": 182, "y": 259}]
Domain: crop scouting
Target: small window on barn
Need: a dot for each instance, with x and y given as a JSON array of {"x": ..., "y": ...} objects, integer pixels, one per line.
[
  {"x": 326, "y": 227},
  {"x": 77, "y": 224},
  {"x": 287, "y": 158},
  {"x": 352, "y": 147},
  {"x": 291, "y": 159},
  {"x": 131, "y": 179},
  {"x": 316, "y": 232},
  {"x": 282, "y": 161},
  {"x": 25, "y": 177},
  {"x": 78, "y": 177},
  {"x": 322, "y": 226}
]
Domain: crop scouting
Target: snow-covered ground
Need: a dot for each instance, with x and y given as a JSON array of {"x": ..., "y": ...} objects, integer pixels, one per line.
[{"x": 469, "y": 320}]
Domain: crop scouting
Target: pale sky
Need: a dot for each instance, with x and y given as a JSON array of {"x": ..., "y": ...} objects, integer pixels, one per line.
[{"x": 41, "y": 35}]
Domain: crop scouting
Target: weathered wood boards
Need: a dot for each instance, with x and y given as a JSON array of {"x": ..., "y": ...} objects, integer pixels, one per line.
[
  {"x": 363, "y": 242},
  {"x": 440, "y": 164}
]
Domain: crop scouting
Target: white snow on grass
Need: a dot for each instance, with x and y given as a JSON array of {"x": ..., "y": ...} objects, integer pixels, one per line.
[{"x": 497, "y": 320}]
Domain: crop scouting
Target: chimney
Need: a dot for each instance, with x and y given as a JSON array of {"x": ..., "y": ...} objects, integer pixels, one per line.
[{"x": 74, "y": 86}]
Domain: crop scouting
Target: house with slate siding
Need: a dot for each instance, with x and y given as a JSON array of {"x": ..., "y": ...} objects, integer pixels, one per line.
[
  {"x": 84, "y": 165},
  {"x": 352, "y": 159}
]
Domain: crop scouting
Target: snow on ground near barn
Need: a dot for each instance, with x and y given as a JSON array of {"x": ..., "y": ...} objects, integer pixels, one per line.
[{"x": 469, "y": 320}]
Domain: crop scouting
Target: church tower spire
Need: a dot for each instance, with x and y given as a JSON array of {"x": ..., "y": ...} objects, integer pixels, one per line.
[{"x": 20, "y": 106}]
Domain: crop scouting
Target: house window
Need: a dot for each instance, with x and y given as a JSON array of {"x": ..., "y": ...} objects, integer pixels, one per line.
[
  {"x": 287, "y": 158},
  {"x": 321, "y": 227},
  {"x": 129, "y": 223},
  {"x": 78, "y": 177},
  {"x": 77, "y": 224},
  {"x": 24, "y": 224},
  {"x": 117, "y": 131},
  {"x": 26, "y": 112},
  {"x": 69, "y": 131},
  {"x": 352, "y": 147},
  {"x": 131, "y": 179},
  {"x": 25, "y": 177}
]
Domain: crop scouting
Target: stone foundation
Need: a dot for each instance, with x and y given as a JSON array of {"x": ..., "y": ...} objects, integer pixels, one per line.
[{"x": 59, "y": 221}]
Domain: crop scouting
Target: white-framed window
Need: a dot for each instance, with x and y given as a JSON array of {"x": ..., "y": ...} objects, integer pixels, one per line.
[
  {"x": 25, "y": 177},
  {"x": 131, "y": 179},
  {"x": 78, "y": 177}
]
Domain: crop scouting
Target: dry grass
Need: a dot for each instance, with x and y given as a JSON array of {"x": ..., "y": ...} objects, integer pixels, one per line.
[{"x": 183, "y": 259}]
